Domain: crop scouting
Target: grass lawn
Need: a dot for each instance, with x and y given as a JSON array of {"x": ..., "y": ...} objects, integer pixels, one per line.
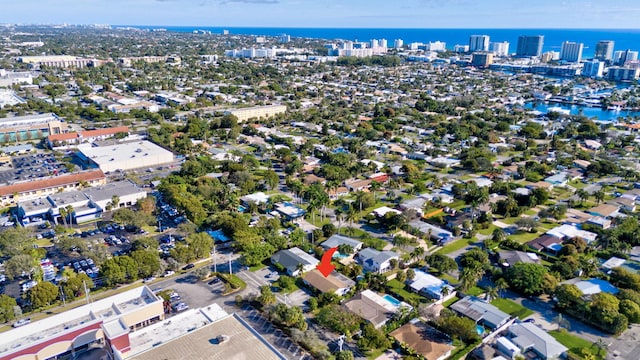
[
  {"x": 257, "y": 267},
  {"x": 488, "y": 231},
  {"x": 453, "y": 246},
  {"x": 44, "y": 243},
  {"x": 398, "y": 288},
  {"x": 511, "y": 308},
  {"x": 577, "y": 184},
  {"x": 474, "y": 291},
  {"x": 524, "y": 236},
  {"x": 577, "y": 344},
  {"x": 374, "y": 354},
  {"x": 450, "y": 301}
]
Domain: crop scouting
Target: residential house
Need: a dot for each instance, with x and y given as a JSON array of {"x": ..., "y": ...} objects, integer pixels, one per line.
[
  {"x": 255, "y": 198},
  {"x": 592, "y": 286},
  {"x": 559, "y": 179},
  {"x": 546, "y": 242},
  {"x": 294, "y": 261},
  {"x": 582, "y": 164},
  {"x": 566, "y": 231},
  {"x": 376, "y": 261},
  {"x": 336, "y": 240},
  {"x": 424, "y": 340},
  {"x": 481, "y": 312},
  {"x": 313, "y": 179},
  {"x": 384, "y": 210},
  {"x": 416, "y": 203},
  {"x": 440, "y": 235},
  {"x": 605, "y": 210},
  {"x": 612, "y": 263},
  {"x": 358, "y": 185},
  {"x": 371, "y": 307},
  {"x": 600, "y": 222},
  {"x": 289, "y": 211},
  {"x": 334, "y": 283},
  {"x": 532, "y": 342},
  {"x": 338, "y": 192},
  {"x": 512, "y": 257},
  {"x": 431, "y": 286},
  {"x": 457, "y": 220},
  {"x": 625, "y": 203}
]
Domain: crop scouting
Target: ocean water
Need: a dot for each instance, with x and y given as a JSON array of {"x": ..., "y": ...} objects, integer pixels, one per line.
[{"x": 553, "y": 38}]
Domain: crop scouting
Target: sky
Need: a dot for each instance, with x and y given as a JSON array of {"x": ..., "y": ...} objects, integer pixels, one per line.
[{"x": 491, "y": 14}]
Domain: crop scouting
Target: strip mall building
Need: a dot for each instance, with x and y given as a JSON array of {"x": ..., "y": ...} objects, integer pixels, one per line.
[{"x": 106, "y": 323}]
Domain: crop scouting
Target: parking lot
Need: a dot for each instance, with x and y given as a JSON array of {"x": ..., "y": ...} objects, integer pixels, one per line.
[
  {"x": 31, "y": 167},
  {"x": 263, "y": 277}
]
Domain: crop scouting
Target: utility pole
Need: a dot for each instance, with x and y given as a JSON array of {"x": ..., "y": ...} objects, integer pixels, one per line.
[
  {"x": 86, "y": 292},
  {"x": 215, "y": 261},
  {"x": 230, "y": 271}
]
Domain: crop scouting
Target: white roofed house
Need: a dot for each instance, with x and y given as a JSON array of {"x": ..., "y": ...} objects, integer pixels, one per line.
[
  {"x": 336, "y": 240},
  {"x": 376, "y": 261},
  {"x": 294, "y": 261},
  {"x": 532, "y": 342}
]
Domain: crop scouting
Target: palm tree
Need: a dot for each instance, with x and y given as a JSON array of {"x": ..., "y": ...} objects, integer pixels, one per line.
[
  {"x": 417, "y": 253},
  {"x": 583, "y": 195},
  {"x": 599, "y": 195},
  {"x": 63, "y": 215},
  {"x": 501, "y": 284},
  {"x": 492, "y": 293},
  {"x": 115, "y": 201},
  {"x": 69, "y": 211}
]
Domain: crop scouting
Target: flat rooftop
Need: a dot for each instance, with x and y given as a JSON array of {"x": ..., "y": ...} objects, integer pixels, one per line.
[
  {"x": 105, "y": 192},
  {"x": 122, "y": 153},
  {"x": 102, "y": 310},
  {"x": 202, "y": 342}
]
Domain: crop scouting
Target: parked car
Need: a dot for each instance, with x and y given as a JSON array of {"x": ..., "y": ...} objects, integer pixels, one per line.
[
  {"x": 188, "y": 266},
  {"x": 169, "y": 273},
  {"x": 21, "y": 322}
]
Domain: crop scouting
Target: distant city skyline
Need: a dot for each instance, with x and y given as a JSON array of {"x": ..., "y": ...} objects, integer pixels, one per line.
[{"x": 583, "y": 14}]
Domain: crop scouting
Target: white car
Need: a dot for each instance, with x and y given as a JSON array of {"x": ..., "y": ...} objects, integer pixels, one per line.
[
  {"x": 169, "y": 273},
  {"x": 21, "y": 322}
]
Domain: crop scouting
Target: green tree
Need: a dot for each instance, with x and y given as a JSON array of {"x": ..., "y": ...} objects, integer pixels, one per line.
[
  {"x": 7, "y": 306},
  {"x": 43, "y": 294},
  {"x": 148, "y": 262},
  {"x": 631, "y": 310},
  {"x": 344, "y": 355},
  {"x": 112, "y": 272},
  {"x": 18, "y": 265},
  {"x": 266, "y": 297},
  {"x": 528, "y": 279}
]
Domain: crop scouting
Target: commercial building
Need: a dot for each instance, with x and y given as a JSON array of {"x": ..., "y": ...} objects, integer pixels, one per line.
[
  {"x": 593, "y": 69},
  {"x": 10, "y": 78},
  {"x": 9, "y": 98},
  {"x": 61, "y": 61},
  {"x": 257, "y": 112},
  {"x": 125, "y": 156},
  {"x": 604, "y": 50},
  {"x": 29, "y": 190},
  {"x": 30, "y": 127},
  {"x": 530, "y": 45},
  {"x": 482, "y": 59},
  {"x": 571, "y": 51},
  {"x": 436, "y": 46},
  {"x": 89, "y": 136},
  {"x": 478, "y": 43},
  {"x": 104, "y": 323},
  {"x": 251, "y": 53},
  {"x": 208, "y": 333},
  {"x": 121, "y": 104},
  {"x": 81, "y": 206}
]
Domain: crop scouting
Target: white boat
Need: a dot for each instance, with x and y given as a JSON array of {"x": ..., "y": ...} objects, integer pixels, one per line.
[{"x": 558, "y": 109}]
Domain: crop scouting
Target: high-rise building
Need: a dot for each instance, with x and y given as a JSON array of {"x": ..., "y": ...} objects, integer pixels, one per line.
[
  {"x": 398, "y": 43},
  {"x": 382, "y": 43},
  {"x": 593, "y": 69},
  {"x": 530, "y": 45},
  {"x": 499, "y": 48},
  {"x": 571, "y": 51},
  {"x": 604, "y": 50},
  {"x": 622, "y": 57},
  {"x": 478, "y": 43},
  {"x": 461, "y": 48},
  {"x": 284, "y": 38}
]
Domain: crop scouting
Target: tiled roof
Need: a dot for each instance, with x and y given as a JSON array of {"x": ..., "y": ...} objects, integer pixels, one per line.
[{"x": 57, "y": 181}]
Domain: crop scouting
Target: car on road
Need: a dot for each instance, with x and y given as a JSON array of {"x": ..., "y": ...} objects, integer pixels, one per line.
[
  {"x": 21, "y": 322},
  {"x": 532, "y": 320},
  {"x": 149, "y": 279},
  {"x": 169, "y": 273},
  {"x": 188, "y": 266}
]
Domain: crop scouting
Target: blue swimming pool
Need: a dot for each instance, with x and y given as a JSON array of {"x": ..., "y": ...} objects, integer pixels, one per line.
[
  {"x": 479, "y": 329},
  {"x": 393, "y": 301}
]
